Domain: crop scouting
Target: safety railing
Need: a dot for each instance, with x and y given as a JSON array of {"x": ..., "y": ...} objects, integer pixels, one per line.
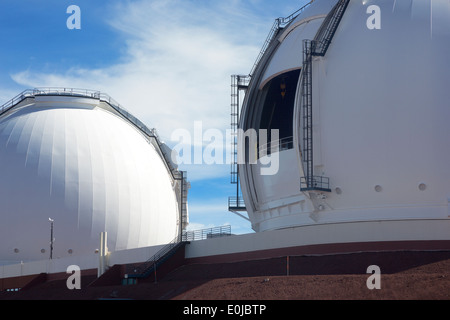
[
  {"x": 86, "y": 93},
  {"x": 277, "y": 25},
  {"x": 143, "y": 270},
  {"x": 315, "y": 183},
  {"x": 207, "y": 233},
  {"x": 236, "y": 203},
  {"x": 276, "y": 146},
  {"x": 76, "y": 92},
  {"x": 30, "y": 93}
]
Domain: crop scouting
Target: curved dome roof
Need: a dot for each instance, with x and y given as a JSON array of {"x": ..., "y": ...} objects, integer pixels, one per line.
[
  {"x": 288, "y": 55},
  {"x": 76, "y": 161}
]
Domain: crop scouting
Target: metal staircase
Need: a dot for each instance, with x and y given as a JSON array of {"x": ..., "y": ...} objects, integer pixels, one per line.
[
  {"x": 312, "y": 48},
  {"x": 144, "y": 270}
]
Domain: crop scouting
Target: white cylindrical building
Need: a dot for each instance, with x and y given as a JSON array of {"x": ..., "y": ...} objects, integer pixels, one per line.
[
  {"x": 380, "y": 117},
  {"x": 76, "y": 157}
]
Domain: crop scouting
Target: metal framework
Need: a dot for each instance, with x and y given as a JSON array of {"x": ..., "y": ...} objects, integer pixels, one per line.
[
  {"x": 279, "y": 24},
  {"x": 238, "y": 83},
  {"x": 182, "y": 176},
  {"x": 241, "y": 83},
  {"x": 311, "y": 48}
]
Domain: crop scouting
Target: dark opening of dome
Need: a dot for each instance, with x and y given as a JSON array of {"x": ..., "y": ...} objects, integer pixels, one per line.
[{"x": 278, "y": 107}]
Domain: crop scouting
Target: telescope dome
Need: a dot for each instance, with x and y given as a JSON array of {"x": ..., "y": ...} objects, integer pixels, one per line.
[
  {"x": 359, "y": 93},
  {"x": 77, "y": 160}
]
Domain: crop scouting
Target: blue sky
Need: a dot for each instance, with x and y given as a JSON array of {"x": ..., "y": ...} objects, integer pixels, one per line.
[{"x": 168, "y": 62}]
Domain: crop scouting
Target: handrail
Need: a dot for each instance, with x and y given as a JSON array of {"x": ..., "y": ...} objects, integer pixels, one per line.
[
  {"x": 315, "y": 183},
  {"x": 285, "y": 21},
  {"x": 278, "y": 23},
  {"x": 141, "y": 270},
  {"x": 236, "y": 202},
  {"x": 206, "y": 233},
  {"x": 285, "y": 143},
  {"x": 30, "y": 93},
  {"x": 76, "y": 92},
  {"x": 93, "y": 94},
  {"x": 134, "y": 270}
]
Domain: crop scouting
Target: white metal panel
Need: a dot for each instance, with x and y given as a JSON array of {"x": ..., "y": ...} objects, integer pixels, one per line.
[
  {"x": 289, "y": 55},
  {"x": 90, "y": 171},
  {"x": 384, "y": 111}
]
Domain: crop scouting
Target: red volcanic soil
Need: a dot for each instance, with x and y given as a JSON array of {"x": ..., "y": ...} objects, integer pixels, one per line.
[{"x": 404, "y": 276}]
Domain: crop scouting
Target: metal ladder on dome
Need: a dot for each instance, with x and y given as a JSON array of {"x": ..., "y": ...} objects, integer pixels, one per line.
[
  {"x": 238, "y": 83},
  {"x": 312, "y": 48},
  {"x": 241, "y": 83},
  {"x": 184, "y": 195}
]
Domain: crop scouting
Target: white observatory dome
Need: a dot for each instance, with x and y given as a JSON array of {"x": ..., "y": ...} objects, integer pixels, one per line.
[
  {"x": 379, "y": 116},
  {"x": 77, "y": 160}
]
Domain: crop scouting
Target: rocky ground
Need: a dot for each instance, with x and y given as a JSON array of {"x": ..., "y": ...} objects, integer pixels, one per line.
[{"x": 404, "y": 276}]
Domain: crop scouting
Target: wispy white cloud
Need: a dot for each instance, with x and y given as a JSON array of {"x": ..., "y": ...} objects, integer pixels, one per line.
[
  {"x": 176, "y": 64},
  {"x": 174, "y": 69}
]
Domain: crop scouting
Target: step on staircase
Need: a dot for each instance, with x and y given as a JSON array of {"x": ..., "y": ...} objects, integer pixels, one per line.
[{"x": 144, "y": 270}]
